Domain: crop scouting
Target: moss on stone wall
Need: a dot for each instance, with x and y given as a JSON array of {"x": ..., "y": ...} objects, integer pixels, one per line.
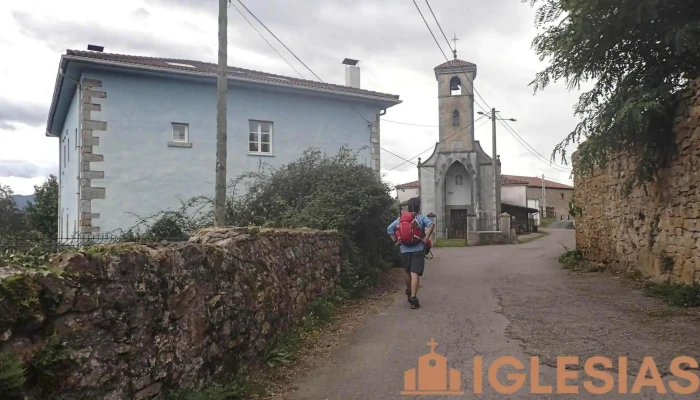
[
  {"x": 655, "y": 228},
  {"x": 131, "y": 320}
]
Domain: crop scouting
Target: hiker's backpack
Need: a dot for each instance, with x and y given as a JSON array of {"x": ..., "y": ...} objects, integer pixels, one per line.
[{"x": 409, "y": 231}]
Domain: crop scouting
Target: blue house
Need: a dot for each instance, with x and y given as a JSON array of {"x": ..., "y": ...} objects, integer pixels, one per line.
[{"x": 138, "y": 134}]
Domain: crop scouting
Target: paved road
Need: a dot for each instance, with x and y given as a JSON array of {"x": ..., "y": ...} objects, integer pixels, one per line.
[
  {"x": 561, "y": 224},
  {"x": 505, "y": 301}
]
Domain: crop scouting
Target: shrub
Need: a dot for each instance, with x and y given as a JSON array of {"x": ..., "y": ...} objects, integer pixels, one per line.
[{"x": 321, "y": 192}]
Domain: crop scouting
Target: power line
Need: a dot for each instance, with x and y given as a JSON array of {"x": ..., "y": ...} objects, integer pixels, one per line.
[
  {"x": 285, "y": 46},
  {"x": 295, "y": 56},
  {"x": 532, "y": 150},
  {"x": 438, "y": 24},
  {"x": 407, "y": 123},
  {"x": 266, "y": 41},
  {"x": 447, "y": 59},
  {"x": 432, "y": 147},
  {"x": 508, "y": 127}
]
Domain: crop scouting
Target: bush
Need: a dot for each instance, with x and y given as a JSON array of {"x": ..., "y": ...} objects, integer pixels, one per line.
[{"x": 321, "y": 192}]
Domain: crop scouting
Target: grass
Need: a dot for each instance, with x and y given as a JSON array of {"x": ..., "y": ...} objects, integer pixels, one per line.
[
  {"x": 451, "y": 243},
  {"x": 546, "y": 221},
  {"x": 675, "y": 294},
  {"x": 531, "y": 237}
]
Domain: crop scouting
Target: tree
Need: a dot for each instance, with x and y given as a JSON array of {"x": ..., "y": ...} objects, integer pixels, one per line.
[
  {"x": 321, "y": 192},
  {"x": 42, "y": 214},
  {"x": 11, "y": 218},
  {"x": 640, "y": 53}
]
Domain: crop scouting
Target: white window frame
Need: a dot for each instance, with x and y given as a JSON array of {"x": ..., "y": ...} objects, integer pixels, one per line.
[
  {"x": 187, "y": 132},
  {"x": 259, "y": 134}
]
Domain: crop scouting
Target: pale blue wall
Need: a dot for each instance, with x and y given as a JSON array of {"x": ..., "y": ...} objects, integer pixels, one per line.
[
  {"x": 68, "y": 171},
  {"x": 143, "y": 175}
]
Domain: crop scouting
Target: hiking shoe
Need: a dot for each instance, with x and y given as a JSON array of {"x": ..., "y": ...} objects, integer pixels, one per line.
[{"x": 414, "y": 302}]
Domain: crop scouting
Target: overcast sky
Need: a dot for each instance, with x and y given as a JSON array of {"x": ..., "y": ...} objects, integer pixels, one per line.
[{"x": 396, "y": 51}]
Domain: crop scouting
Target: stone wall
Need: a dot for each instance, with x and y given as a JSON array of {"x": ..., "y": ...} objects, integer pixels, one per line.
[
  {"x": 656, "y": 229},
  {"x": 129, "y": 321}
]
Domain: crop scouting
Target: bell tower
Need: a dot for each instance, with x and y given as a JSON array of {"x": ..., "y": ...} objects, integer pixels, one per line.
[{"x": 456, "y": 104}]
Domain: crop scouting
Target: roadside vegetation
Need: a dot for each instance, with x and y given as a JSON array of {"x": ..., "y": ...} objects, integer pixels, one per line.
[
  {"x": 674, "y": 294},
  {"x": 316, "y": 191}
]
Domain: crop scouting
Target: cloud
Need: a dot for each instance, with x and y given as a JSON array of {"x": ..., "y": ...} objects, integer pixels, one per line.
[
  {"x": 25, "y": 169},
  {"x": 396, "y": 51},
  {"x": 15, "y": 112},
  {"x": 59, "y": 34}
]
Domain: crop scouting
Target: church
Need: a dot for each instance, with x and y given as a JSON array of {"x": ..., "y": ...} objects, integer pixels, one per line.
[{"x": 457, "y": 180}]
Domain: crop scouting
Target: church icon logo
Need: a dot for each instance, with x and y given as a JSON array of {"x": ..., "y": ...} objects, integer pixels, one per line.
[{"x": 432, "y": 376}]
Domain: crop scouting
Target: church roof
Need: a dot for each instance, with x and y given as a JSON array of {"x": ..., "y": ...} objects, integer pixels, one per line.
[{"x": 455, "y": 64}]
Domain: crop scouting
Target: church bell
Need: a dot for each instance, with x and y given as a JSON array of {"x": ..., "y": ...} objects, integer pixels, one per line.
[{"x": 454, "y": 83}]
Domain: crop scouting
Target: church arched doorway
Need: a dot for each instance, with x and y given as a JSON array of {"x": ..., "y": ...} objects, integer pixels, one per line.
[{"x": 458, "y": 199}]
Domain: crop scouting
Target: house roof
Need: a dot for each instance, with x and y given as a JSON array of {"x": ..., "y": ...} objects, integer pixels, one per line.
[
  {"x": 233, "y": 72},
  {"x": 209, "y": 70},
  {"x": 409, "y": 185},
  {"x": 533, "y": 181},
  {"x": 506, "y": 180}
]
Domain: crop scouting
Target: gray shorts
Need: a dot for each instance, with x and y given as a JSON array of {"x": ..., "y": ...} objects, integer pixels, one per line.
[{"x": 413, "y": 262}]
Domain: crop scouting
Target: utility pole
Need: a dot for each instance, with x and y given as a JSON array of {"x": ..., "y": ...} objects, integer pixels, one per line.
[
  {"x": 544, "y": 200},
  {"x": 494, "y": 167},
  {"x": 220, "y": 186}
]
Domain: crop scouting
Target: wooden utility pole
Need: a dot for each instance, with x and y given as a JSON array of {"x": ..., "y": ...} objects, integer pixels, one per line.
[
  {"x": 495, "y": 169},
  {"x": 220, "y": 186}
]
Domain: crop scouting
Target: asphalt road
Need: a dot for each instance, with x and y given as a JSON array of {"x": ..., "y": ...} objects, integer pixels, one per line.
[
  {"x": 561, "y": 224},
  {"x": 517, "y": 301}
]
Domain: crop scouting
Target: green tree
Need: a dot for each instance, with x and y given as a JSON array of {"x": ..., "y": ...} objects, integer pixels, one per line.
[
  {"x": 322, "y": 192},
  {"x": 640, "y": 53},
  {"x": 42, "y": 214},
  {"x": 11, "y": 218}
]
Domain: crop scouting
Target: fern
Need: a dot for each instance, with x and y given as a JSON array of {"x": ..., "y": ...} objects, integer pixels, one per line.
[{"x": 12, "y": 377}]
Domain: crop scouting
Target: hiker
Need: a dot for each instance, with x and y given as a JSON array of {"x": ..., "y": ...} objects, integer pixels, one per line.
[{"x": 412, "y": 229}]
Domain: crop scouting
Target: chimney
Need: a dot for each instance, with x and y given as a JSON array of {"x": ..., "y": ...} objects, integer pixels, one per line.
[
  {"x": 92, "y": 47},
  {"x": 352, "y": 73}
]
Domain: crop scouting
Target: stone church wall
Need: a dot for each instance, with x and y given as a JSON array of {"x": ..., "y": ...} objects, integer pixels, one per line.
[
  {"x": 130, "y": 321},
  {"x": 656, "y": 229}
]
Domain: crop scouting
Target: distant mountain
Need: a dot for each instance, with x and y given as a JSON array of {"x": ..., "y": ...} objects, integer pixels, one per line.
[{"x": 23, "y": 200}]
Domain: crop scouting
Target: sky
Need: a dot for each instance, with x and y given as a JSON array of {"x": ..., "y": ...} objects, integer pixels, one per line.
[{"x": 396, "y": 50}]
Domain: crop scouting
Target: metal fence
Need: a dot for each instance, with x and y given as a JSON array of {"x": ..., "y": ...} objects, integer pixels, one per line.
[
  {"x": 40, "y": 246},
  {"x": 457, "y": 228}
]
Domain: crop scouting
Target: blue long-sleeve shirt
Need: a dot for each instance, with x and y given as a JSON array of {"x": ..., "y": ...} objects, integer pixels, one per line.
[{"x": 424, "y": 221}]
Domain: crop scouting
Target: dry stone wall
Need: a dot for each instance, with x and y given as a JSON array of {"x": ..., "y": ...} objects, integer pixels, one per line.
[
  {"x": 656, "y": 228},
  {"x": 129, "y": 321}
]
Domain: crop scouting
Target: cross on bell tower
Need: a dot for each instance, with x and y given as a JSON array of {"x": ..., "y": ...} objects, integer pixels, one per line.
[{"x": 454, "y": 40}]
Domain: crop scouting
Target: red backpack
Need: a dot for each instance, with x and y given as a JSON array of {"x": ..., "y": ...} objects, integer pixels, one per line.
[{"x": 409, "y": 231}]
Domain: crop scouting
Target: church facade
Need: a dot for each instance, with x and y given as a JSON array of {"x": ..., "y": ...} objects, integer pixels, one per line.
[{"x": 457, "y": 180}]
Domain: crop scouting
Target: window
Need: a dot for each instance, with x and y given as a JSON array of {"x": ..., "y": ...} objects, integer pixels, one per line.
[
  {"x": 455, "y": 118},
  {"x": 181, "y": 133},
  {"x": 64, "y": 155},
  {"x": 562, "y": 196},
  {"x": 68, "y": 150},
  {"x": 260, "y": 137},
  {"x": 455, "y": 86},
  {"x": 76, "y": 138},
  {"x": 458, "y": 180}
]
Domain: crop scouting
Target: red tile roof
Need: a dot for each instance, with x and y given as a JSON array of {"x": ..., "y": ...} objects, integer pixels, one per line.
[
  {"x": 455, "y": 64},
  {"x": 233, "y": 72},
  {"x": 409, "y": 185},
  {"x": 533, "y": 181},
  {"x": 506, "y": 180}
]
